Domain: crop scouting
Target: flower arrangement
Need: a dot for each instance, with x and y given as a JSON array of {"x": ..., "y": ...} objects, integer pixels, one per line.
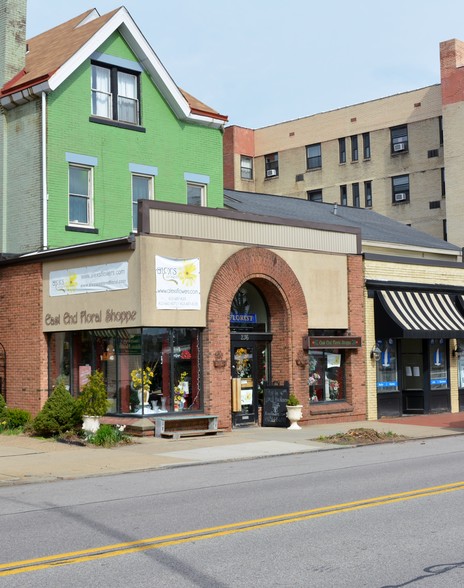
[
  {"x": 141, "y": 377},
  {"x": 313, "y": 379},
  {"x": 242, "y": 362},
  {"x": 180, "y": 389}
]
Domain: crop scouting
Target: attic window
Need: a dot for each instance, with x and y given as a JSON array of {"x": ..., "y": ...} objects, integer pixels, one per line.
[{"x": 115, "y": 94}]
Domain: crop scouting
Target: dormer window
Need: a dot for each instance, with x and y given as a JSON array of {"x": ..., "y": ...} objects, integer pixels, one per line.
[{"x": 115, "y": 94}]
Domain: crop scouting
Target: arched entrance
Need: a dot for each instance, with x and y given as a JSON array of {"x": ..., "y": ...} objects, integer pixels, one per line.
[{"x": 281, "y": 324}]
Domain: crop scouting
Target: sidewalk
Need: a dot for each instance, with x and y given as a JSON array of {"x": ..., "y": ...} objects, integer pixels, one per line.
[{"x": 27, "y": 459}]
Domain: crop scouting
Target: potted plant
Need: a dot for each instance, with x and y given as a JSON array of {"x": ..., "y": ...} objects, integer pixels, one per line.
[
  {"x": 93, "y": 402},
  {"x": 294, "y": 411}
]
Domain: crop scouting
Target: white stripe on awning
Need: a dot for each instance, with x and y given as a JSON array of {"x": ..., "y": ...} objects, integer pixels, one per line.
[{"x": 428, "y": 312}]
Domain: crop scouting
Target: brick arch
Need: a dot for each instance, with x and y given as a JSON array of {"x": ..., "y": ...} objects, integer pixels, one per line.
[{"x": 286, "y": 302}]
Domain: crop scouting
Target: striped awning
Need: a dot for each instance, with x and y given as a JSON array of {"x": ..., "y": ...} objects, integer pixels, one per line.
[{"x": 422, "y": 314}]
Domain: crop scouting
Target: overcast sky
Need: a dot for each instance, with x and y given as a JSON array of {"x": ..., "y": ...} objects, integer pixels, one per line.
[{"x": 266, "y": 61}]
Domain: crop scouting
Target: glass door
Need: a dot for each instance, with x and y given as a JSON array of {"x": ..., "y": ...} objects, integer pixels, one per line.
[{"x": 244, "y": 383}]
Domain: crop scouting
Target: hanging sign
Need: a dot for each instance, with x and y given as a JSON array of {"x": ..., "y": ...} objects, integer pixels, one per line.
[
  {"x": 93, "y": 278},
  {"x": 177, "y": 283}
]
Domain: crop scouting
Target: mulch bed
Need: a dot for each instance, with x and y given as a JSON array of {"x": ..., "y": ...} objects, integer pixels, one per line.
[{"x": 362, "y": 436}]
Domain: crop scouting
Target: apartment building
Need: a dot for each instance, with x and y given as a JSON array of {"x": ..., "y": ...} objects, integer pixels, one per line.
[{"x": 401, "y": 156}]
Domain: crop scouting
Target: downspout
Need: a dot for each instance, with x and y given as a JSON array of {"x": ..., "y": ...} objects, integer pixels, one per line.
[{"x": 44, "y": 174}]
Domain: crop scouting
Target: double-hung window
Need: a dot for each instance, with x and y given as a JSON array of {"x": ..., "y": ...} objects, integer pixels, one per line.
[
  {"x": 400, "y": 189},
  {"x": 271, "y": 165},
  {"x": 246, "y": 167},
  {"x": 343, "y": 195},
  {"x": 115, "y": 94},
  {"x": 142, "y": 189},
  {"x": 313, "y": 156},
  {"x": 366, "y": 145},
  {"x": 399, "y": 139},
  {"x": 342, "y": 150},
  {"x": 356, "y": 200},
  {"x": 196, "y": 194},
  {"x": 80, "y": 195},
  {"x": 354, "y": 148},
  {"x": 368, "y": 194}
]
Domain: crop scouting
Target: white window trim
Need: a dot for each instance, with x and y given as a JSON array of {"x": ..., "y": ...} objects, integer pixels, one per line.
[
  {"x": 151, "y": 194},
  {"x": 90, "y": 211},
  {"x": 203, "y": 196}
]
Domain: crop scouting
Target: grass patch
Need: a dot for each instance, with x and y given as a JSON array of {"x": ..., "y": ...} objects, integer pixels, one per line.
[{"x": 362, "y": 436}]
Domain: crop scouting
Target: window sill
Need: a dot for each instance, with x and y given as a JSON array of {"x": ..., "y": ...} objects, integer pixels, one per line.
[
  {"x": 116, "y": 123},
  {"x": 319, "y": 408},
  {"x": 78, "y": 229},
  {"x": 314, "y": 169}
]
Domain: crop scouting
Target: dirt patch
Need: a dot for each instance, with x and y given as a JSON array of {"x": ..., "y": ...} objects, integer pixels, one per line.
[{"x": 362, "y": 436}]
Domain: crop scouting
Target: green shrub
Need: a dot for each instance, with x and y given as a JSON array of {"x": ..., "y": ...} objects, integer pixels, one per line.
[
  {"x": 293, "y": 400},
  {"x": 16, "y": 418},
  {"x": 59, "y": 413},
  {"x": 93, "y": 400},
  {"x": 108, "y": 436},
  {"x": 2, "y": 406}
]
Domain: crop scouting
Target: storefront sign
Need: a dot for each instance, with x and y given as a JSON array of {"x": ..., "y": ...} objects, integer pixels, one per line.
[
  {"x": 89, "y": 319},
  {"x": 95, "y": 278},
  {"x": 243, "y": 318},
  {"x": 177, "y": 283},
  {"x": 331, "y": 342},
  {"x": 387, "y": 385}
]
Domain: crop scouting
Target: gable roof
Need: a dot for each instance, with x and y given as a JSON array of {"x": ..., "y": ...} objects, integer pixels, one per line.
[
  {"x": 55, "y": 54},
  {"x": 375, "y": 228}
]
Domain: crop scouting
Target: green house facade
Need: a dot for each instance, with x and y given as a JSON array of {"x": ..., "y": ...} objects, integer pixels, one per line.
[{"x": 92, "y": 124}]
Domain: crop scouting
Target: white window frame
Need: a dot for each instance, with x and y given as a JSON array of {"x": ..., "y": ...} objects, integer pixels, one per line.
[
  {"x": 203, "y": 194},
  {"x": 115, "y": 96},
  {"x": 246, "y": 167},
  {"x": 88, "y": 196},
  {"x": 151, "y": 196}
]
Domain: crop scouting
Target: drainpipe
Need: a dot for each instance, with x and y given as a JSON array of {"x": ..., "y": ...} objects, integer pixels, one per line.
[{"x": 44, "y": 174}]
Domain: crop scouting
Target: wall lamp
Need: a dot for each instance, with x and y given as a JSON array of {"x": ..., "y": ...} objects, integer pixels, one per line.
[
  {"x": 457, "y": 350},
  {"x": 376, "y": 353}
]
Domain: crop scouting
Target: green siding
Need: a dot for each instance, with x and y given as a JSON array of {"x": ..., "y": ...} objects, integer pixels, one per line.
[{"x": 174, "y": 147}]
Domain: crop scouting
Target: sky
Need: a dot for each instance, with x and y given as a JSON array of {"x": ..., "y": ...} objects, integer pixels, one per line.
[{"x": 263, "y": 62}]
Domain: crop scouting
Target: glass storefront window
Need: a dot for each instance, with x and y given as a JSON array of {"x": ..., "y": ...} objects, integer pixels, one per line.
[
  {"x": 145, "y": 371},
  {"x": 387, "y": 366},
  {"x": 460, "y": 356},
  {"x": 438, "y": 364},
  {"x": 326, "y": 375}
]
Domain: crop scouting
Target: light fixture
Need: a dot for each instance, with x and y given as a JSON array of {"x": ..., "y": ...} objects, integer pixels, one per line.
[{"x": 376, "y": 353}]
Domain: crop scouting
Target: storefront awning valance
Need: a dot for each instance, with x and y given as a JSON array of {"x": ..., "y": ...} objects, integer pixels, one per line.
[{"x": 412, "y": 314}]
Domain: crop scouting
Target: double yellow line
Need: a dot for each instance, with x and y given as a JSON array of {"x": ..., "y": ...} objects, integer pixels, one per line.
[{"x": 75, "y": 557}]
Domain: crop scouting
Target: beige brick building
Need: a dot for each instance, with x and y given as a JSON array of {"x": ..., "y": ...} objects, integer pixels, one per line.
[{"x": 401, "y": 155}]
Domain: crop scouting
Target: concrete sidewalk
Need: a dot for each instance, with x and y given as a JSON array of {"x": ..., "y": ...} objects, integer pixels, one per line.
[{"x": 27, "y": 459}]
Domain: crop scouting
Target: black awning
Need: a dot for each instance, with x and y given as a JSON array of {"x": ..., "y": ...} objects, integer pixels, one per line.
[{"x": 411, "y": 314}]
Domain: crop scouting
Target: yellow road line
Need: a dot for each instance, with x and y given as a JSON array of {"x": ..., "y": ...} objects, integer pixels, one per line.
[{"x": 102, "y": 552}]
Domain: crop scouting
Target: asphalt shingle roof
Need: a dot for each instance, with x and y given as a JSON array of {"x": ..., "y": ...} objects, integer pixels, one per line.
[{"x": 374, "y": 227}]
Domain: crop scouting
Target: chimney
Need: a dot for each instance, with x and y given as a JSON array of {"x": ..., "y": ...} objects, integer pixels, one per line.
[{"x": 12, "y": 38}]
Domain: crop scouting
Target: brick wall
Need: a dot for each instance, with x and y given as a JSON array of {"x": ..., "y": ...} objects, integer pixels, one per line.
[{"x": 22, "y": 337}]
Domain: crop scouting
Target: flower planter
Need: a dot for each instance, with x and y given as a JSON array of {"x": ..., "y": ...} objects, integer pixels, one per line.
[
  {"x": 294, "y": 414},
  {"x": 90, "y": 423}
]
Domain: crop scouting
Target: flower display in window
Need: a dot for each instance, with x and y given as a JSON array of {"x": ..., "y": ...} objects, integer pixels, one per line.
[
  {"x": 333, "y": 389},
  {"x": 242, "y": 362},
  {"x": 141, "y": 377},
  {"x": 181, "y": 390}
]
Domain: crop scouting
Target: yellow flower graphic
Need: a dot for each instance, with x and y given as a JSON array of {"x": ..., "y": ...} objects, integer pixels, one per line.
[
  {"x": 71, "y": 282},
  {"x": 187, "y": 275}
]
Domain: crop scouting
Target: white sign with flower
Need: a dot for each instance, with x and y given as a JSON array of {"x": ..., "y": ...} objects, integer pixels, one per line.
[
  {"x": 93, "y": 278},
  {"x": 177, "y": 283}
]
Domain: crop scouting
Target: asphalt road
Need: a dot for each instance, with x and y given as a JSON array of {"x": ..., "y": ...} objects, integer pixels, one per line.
[{"x": 377, "y": 516}]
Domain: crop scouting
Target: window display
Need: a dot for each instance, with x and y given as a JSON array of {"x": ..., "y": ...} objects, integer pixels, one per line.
[
  {"x": 387, "y": 366},
  {"x": 326, "y": 375}
]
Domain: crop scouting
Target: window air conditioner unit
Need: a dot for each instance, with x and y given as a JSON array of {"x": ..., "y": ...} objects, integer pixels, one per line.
[
  {"x": 400, "y": 196},
  {"x": 271, "y": 172},
  {"x": 399, "y": 147}
]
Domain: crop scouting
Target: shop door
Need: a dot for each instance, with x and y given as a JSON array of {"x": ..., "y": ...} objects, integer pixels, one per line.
[{"x": 245, "y": 382}]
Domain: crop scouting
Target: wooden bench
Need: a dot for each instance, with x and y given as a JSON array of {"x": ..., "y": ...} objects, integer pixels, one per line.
[{"x": 186, "y": 425}]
